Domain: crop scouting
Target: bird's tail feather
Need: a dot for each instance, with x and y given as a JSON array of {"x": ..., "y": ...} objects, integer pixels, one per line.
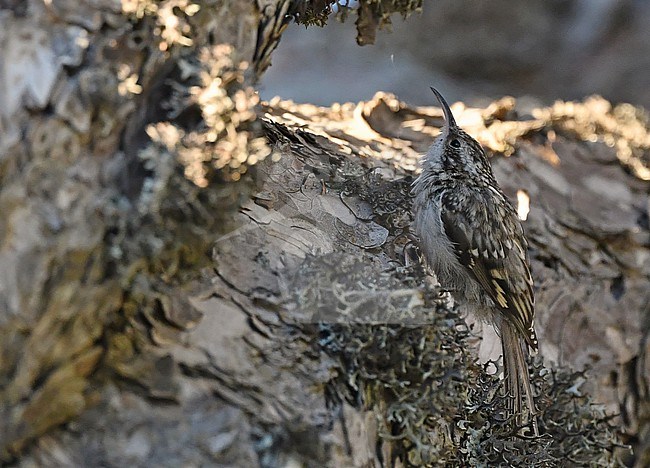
[{"x": 517, "y": 378}]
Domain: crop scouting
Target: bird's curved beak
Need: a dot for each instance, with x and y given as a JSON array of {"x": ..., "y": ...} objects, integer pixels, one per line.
[{"x": 450, "y": 122}]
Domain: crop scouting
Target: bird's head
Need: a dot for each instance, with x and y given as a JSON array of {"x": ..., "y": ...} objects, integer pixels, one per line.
[{"x": 454, "y": 152}]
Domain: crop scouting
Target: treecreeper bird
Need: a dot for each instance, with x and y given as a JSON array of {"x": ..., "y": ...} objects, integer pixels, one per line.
[{"x": 472, "y": 239}]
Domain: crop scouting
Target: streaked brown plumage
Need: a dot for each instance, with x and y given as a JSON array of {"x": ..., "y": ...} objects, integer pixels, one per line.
[{"x": 471, "y": 237}]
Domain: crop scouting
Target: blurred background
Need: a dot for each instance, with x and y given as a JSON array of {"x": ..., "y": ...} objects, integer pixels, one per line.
[{"x": 474, "y": 50}]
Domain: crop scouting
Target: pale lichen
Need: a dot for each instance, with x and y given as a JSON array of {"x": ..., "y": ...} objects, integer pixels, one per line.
[
  {"x": 172, "y": 26},
  {"x": 226, "y": 141}
]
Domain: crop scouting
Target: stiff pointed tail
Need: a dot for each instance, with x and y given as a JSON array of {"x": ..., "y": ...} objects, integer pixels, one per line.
[{"x": 517, "y": 378}]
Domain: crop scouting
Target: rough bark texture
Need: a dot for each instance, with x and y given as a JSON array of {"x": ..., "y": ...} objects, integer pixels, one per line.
[
  {"x": 144, "y": 320},
  {"x": 114, "y": 118}
]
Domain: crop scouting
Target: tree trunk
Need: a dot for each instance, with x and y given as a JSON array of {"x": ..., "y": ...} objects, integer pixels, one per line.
[
  {"x": 166, "y": 299},
  {"x": 100, "y": 223}
]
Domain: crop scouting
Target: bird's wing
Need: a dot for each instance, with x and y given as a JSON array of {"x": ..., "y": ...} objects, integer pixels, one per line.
[{"x": 489, "y": 241}]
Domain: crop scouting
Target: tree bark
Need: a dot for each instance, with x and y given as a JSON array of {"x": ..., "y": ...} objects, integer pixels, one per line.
[
  {"x": 100, "y": 223},
  {"x": 166, "y": 299}
]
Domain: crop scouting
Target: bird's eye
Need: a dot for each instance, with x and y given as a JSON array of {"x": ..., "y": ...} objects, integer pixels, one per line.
[{"x": 454, "y": 143}]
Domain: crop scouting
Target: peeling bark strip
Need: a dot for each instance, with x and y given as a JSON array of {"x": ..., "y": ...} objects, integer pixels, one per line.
[{"x": 111, "y": 206}]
